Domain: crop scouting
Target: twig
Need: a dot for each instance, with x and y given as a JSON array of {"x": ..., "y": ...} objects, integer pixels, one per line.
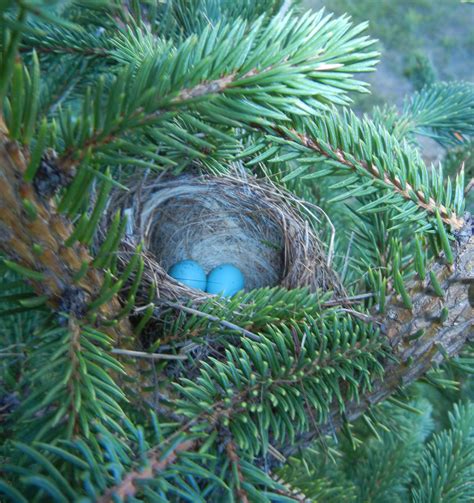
[
  {"x": 151, "y": 356},
  {"x": 224, "y": 323},
  {"x": 346, "y": 258},
  {"x": 332, "y": 239},
  {"x": 355, "y": 299},
  {"x": 276, "y": 454},
  {"x": 361, "y": 316},
  {"x": 469, "y": 187},
  {"x": 285, "y": 194},
  {"x": 156, "y": 464},
  {"x": 231, "y": 451},
  {"x": 289, "y": 491}
]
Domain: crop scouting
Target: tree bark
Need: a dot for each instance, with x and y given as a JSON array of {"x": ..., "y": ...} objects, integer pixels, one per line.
[
  {"x": 35, "y": 239},
  {"x": 434, "y": 329}
]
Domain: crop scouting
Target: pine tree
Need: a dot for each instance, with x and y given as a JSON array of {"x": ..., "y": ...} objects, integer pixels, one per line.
[{"x": 94, "y": 94}]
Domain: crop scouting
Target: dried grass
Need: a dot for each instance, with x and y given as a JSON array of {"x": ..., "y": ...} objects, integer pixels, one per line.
[{"x": 249, "y": 222}]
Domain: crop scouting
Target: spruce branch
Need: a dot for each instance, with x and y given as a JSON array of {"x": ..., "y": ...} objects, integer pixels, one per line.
[
  {"x": 435, "y": 329},
  {"x": 298, "y": 303},
  {"x": 242, "y": 82},
  {"x": 352, "y": 157},
  {"x": 443, "y": 111},
  {"x": 445, "y": 470},
  {"x": 231, "y": 403},
  {"x": 251, "y": 315},
  {"x": 280, "y": 382},
  {"x": 63, "y": 368}
]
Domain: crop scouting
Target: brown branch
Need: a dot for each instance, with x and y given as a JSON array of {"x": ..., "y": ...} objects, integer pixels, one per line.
[
  {"x": 127, "y": 488},
  {"x": 420, "y": 337},
  {"x": 231, "y": 451},
  {"x": 430, "y": 205},
  {"x": 37, "y": 243},
  {"x": 290, "y": 491},
  {"x": 205, "y": 88},
  {"x": 74, "y": 352}
]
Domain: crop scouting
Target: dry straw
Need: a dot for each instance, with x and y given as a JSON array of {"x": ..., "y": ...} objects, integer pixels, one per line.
[{"x": 249, "y": 222}]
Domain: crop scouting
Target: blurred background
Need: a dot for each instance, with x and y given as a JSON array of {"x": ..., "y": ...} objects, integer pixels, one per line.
[{"x": 421, "y": 41}]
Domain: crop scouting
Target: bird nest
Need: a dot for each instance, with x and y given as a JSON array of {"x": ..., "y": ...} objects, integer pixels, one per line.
[{"x": 245, "y": 221}]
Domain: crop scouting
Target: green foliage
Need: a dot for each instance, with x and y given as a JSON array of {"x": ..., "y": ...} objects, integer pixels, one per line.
[
  {"x": 420, "y": 70},
  {"x": 442, "y": 111},
  {"x": 320, "y": 479},
  {"x": 390, "y": 459},
  {"x": 445, "y": 473},
  {"x": 236, "y": 86},
  {"x": 462, "y": 157},
  {"x": 370, "y": 155},
  {"x": 255, "y": 311},
  {"x": 69, "y": 385},
  {"x": 407, "y": 463},
  {"x": 266, "y": 387}
]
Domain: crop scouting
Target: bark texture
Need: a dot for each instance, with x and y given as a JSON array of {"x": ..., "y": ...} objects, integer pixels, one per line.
[
  {"x": 435, "y": 328},
  {"x": 33, "y": 235}
]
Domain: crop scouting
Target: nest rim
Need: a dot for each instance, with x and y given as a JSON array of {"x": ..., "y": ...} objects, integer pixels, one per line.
[{"x": 305, "y": 263}]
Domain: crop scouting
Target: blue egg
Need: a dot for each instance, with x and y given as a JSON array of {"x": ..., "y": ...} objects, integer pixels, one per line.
[
  {"x": 190, "y": 273},
  {"x": 225, "y": 279}
]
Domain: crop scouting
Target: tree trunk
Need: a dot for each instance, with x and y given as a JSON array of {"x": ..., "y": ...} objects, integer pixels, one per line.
[{"x": 33, "y": 235}]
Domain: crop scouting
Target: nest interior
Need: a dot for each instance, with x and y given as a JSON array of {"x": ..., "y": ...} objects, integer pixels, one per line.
[
  {"x": 213, "y": 224},
  {"x": 235, "y": 219}
]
